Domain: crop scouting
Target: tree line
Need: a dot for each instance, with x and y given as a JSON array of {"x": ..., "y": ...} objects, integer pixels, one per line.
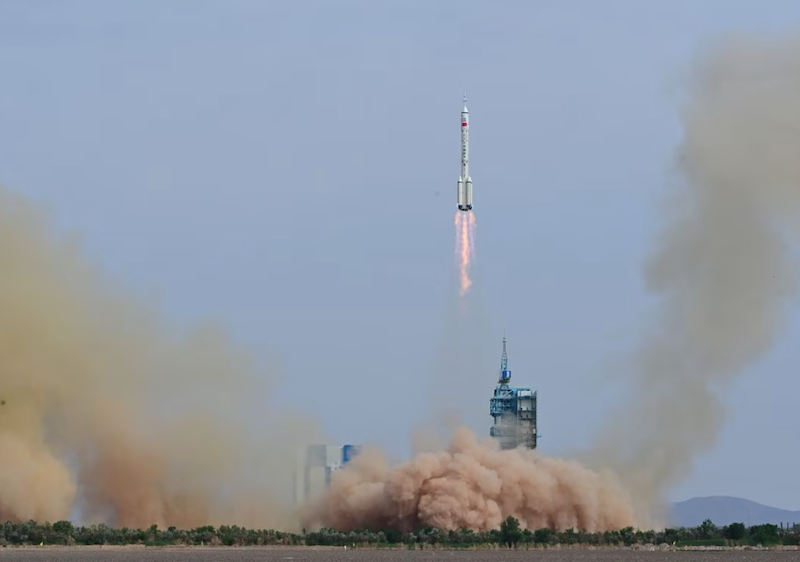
[{"x": 508, "y": 535}]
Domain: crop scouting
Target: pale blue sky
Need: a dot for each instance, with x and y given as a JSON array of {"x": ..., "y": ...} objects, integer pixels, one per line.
[{"x": 289, "y": 168}]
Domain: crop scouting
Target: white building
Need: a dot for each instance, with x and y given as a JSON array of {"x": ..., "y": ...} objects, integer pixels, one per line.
[{"x": 315, "y": 466}]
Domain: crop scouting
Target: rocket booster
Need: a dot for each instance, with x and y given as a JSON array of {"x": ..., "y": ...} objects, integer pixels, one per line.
[{"x": 464, "y": 195}]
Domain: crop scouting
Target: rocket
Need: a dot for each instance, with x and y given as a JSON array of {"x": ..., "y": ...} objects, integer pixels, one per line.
[{"x": 464, "y": 194}]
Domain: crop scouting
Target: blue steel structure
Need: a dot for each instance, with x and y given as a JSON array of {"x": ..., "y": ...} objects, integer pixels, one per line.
[{"x": 513, "y": 410}]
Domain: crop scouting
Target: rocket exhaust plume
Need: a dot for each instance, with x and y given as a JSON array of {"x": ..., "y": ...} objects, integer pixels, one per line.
[
  {"x": 465, "y": 248},
  {"x": 472, "y": 485},
  {"x": 102, "y": 407},
  {"x": 724, "y": 269}
]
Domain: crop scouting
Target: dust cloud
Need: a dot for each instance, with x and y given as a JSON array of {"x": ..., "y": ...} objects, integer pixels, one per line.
[
  {"x": 472, "y": 485},
  {"x": 724, "y": 268},
  {"x": 103, "y": 406}
]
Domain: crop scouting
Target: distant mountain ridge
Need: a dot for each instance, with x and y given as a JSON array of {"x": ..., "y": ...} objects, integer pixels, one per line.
[{"x": 724, "y": 510}]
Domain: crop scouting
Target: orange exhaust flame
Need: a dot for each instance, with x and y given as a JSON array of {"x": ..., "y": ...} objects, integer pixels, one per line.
[{"x": 465, "y": 247}]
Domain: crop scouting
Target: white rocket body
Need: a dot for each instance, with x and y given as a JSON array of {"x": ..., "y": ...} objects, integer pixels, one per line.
[{"x": 464, "y": 195}]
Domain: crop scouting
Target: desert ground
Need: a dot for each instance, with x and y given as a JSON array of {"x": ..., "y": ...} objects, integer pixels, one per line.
[{"x": 340, "y": 555}]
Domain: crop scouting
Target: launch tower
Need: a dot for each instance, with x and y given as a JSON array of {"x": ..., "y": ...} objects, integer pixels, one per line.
[{"x": 513, "y": 410}]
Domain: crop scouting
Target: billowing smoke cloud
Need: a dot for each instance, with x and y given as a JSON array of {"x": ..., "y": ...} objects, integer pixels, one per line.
[
  {"x": 96, "y": 395},
  {"x": 472, "y": 485},
  {"x": 101, "y": 402},
  {"x": 723, "y": 269}
]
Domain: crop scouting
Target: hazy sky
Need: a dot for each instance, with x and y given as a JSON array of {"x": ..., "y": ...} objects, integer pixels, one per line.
[{"x": 289, "y": 169}]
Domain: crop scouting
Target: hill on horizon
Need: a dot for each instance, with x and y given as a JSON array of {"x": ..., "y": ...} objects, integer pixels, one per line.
[{"x": 724, "y": 510}]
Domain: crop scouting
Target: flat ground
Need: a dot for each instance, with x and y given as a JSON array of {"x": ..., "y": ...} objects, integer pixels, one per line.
[{"x": 131, "y": 554}]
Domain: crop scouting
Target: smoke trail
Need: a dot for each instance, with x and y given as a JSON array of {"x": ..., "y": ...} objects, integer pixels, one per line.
[
  {"x": 465, "y": 247},
  {"x": 472, "y": 485},
  {"x": 724, "y": 268},
  {"x": 460, "y": 352},
  {"x": 97, "y": 395}
]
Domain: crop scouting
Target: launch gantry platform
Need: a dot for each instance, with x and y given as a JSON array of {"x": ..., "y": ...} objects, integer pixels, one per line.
[{"x": 513, "y": 410}]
